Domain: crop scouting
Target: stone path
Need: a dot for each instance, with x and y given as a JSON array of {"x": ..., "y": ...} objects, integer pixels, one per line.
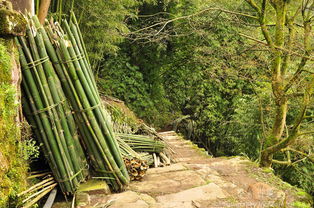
[{"x": 199, "y": 181}]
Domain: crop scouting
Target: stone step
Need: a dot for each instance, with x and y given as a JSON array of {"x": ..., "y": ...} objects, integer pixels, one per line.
[
  {"x": 167, "y": 182},
  {"x": 191, "y": 197},
  {"x": 91, "y": 187}
]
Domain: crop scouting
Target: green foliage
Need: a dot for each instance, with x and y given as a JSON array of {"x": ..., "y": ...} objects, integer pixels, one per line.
[
  {"x": 300, "y": 174},
  {"x": 103, "y": 23},
  {"x": 5, "y": 63},
  {"x": 122, "y": 80},
  {"x": 29, "y": 149},
  {"x": 196, "y": 68},
  {"x": 299, "y": 204}
]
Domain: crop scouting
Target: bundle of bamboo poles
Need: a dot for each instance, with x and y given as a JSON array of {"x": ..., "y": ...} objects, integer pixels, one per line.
[
  {"x": 135, "y": 164},
  {"x": 47, "y": 110},
  {"x": 68, "y": 55},
  {"x": 143, "y": 143},
  {"x": 126, "y": 150}
]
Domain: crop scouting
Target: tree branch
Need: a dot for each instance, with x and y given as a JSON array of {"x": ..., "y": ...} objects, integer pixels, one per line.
[
  {"x": 253, "y": 4},
  {"x": 278, "y": 48},
  {"x": 43, "y": 10},
  {"x": 306, "y": 133},
  {"x": 281, "y": 162},
  {"x": 163, "y": 24}
]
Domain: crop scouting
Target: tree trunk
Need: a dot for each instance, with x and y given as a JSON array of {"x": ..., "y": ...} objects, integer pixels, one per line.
[
  {"x": 43, "y": 10},
  {"x": 277, "y": 85}
]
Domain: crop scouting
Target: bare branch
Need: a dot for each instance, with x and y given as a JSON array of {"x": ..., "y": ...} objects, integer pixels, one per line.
[
  {"x": 253, "y": 4},
  {"x": 276, "y": 47},
  {"x": 306, "y": 133},
  {"x": 163, "y": 24},
  {"x": 282, "y": 162},
  {"x": 296, "y": 151}
]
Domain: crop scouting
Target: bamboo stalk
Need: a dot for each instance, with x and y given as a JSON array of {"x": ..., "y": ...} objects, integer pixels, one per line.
[
  {"x": 155, "y": 160},
  {"x": 142, "y": 143},
  {"x": 100, "y": 142},
  {"x": 86, "y": 130},
  {"x": 70, "y": 145},
  {"x": 41, "y": 195},
  {"x": 38, "y": 175},
  {"x": 66, "y": 85},
  {"x": 77, "y": 82},
  {"x": 44, "y": 124},
  {"x": 55, "y": 124},
  {"x": 55, "y": 131},
  {"x": 39, "y": 192},
  {"x": 40, "y": 134},
  {"x": 32, "y": 188},
  {"x": 165, "y": 158}
]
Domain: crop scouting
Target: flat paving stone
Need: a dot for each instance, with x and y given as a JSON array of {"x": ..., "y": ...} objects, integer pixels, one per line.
[
  {"x": 187, "y": 198},
  {"x": 171, "y": 168},
  {"x": 168, "y": 182}
]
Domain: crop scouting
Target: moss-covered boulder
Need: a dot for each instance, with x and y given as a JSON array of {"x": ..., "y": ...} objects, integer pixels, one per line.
[
  {"x": 12, "y": 23},
  {"x": 13, "y": 166}
]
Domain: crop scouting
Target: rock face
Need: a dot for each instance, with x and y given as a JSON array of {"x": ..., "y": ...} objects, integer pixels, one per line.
[
  {"x": 191, "y": 197},
  {"x": 201, "y": 182},
  {"x": 263, "y": 192},
  {"x": 13, "y": 168},
  {"x": 11, "y": 23}
]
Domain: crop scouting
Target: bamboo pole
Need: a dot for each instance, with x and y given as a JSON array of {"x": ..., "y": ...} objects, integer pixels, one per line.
[
  {"x": 44, "y": 124},
  {"x": 33, "y": 188},
  {"x": 42, "y": 194}
]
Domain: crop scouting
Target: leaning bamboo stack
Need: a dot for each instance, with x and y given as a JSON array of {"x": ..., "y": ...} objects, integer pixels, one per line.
[
  {"x": 67, "y": 52},
  {"x": 47, "y": 110}
]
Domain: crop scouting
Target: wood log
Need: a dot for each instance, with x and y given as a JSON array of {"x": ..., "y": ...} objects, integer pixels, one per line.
[{"x": 43, "y": 10}]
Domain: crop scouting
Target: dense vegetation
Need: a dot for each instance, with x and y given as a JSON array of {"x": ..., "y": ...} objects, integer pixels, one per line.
[{"x": 193, "y": 70}]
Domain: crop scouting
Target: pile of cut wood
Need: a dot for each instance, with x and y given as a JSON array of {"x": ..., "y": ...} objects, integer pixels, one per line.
[{"x": 63, "y": 106}]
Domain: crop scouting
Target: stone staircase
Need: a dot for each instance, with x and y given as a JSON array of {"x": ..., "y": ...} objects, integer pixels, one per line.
[{"x": 198, "y": 181}]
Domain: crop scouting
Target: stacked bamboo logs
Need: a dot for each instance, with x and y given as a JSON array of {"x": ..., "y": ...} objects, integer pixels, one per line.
[
  {"x": 135, "y": 164},
  {"x": 56, "y": 71},
  {"x": 68, "y": 54},
  {"x": 143, "y": 143},
  {"x": 126, "y": 150},
  {"x": 47, "y": 110}
]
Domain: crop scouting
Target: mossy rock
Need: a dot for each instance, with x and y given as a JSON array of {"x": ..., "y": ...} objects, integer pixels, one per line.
[
  {"x": 12, "y": 23},
  {"x": 13, "y": 167}
]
